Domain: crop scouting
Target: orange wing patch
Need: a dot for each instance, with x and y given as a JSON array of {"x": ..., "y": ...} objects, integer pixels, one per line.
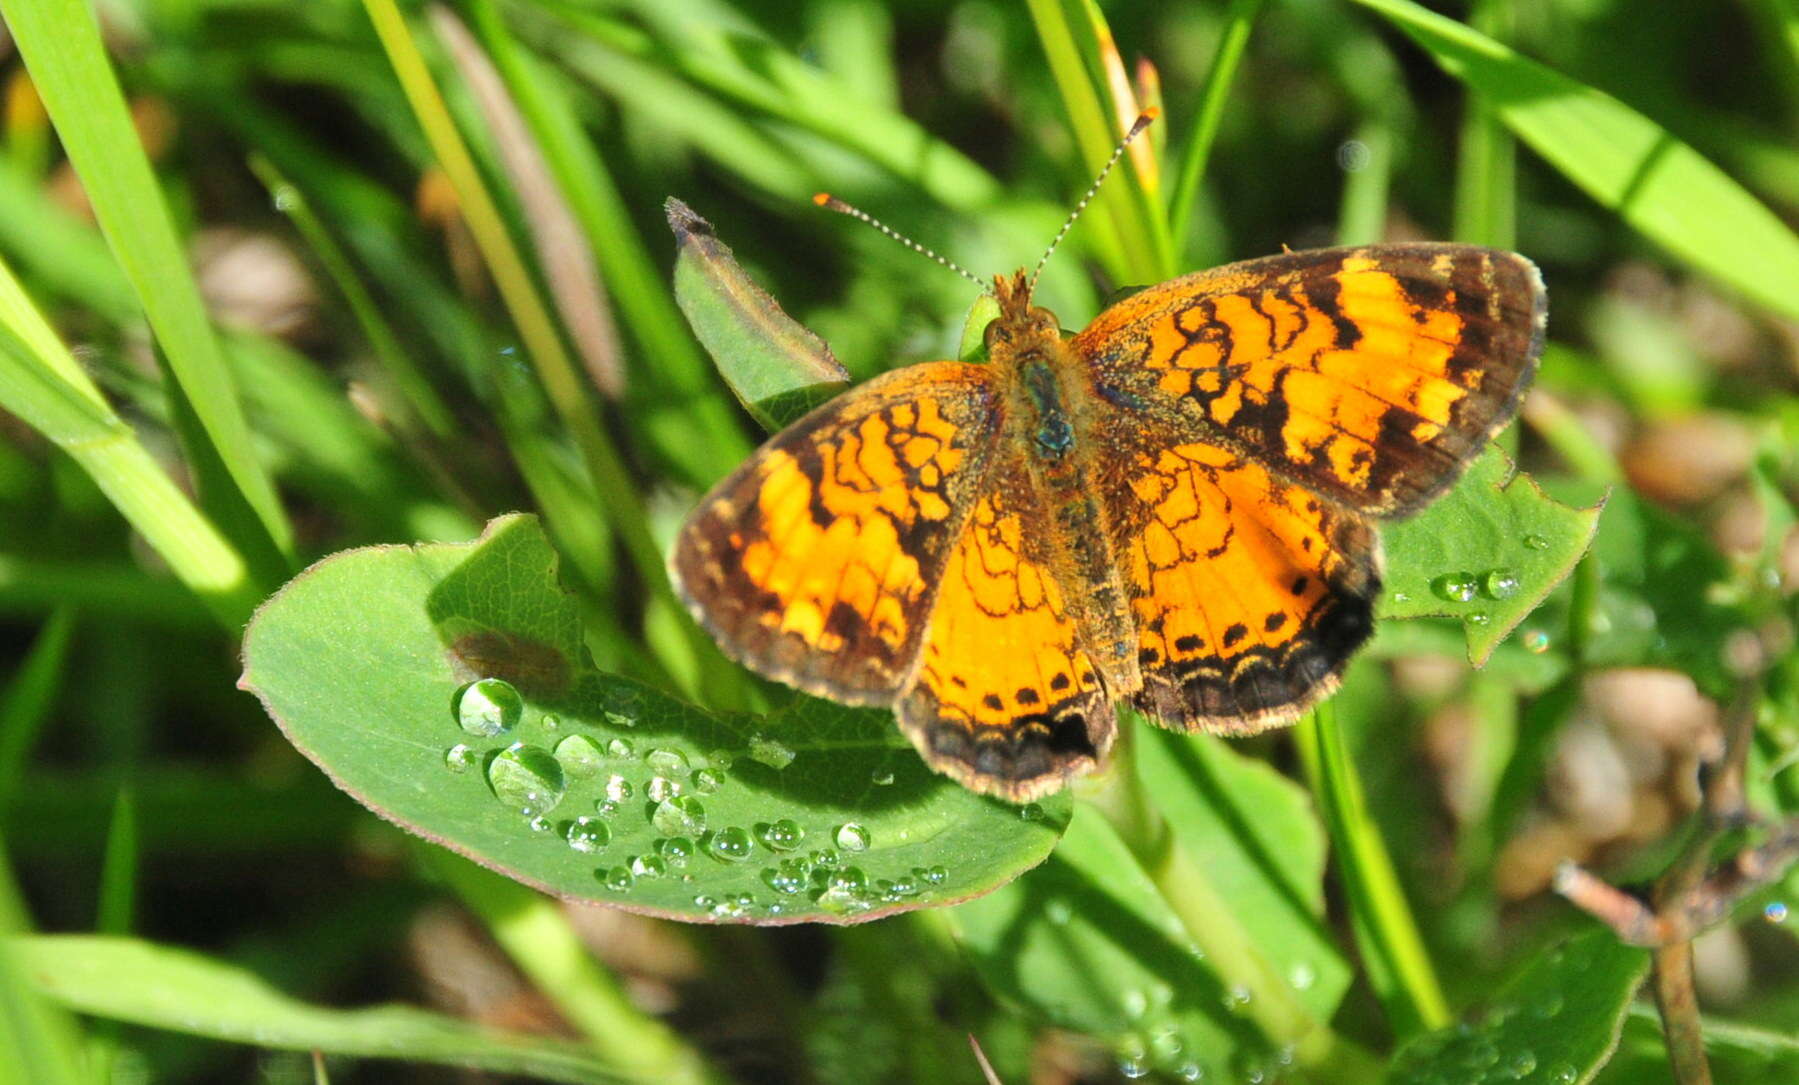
[
  {"x": 815, "y": 563},
  {"x": 1249, "y": 594},
  {"x": 1369, "y": 375},
  {"x": 1006, "y": 700}
]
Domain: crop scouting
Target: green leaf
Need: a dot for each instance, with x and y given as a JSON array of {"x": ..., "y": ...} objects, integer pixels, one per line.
[
  {"x": 1086, "y": 942},
  {"x": 162, "y": 987},
  {"x": 1740, "y": 1054},
  {"x": 1627, "y": 162},
  {"x": 1555, "y": 1024},
  {"x": 360, "y": 660},
  {"x": 1257, "y": 835},
  {"x": 41, "y": 1041},
  {"x": 778, "y": 369},
  {"x": 1487, "y": 553}
]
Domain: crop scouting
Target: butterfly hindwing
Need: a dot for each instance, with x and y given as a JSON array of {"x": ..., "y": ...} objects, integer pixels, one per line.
[
  {"x": 1369, "y": 375},
  {"x": 816, "y": 562}
]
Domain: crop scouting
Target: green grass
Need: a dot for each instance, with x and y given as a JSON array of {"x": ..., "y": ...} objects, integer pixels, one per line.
[{"x": 497, "y": 319}]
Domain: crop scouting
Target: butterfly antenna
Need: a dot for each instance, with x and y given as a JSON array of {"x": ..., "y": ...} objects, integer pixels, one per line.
[
  {"x": 832, "y": 203},
  {"x": 1142, "y": 122}
]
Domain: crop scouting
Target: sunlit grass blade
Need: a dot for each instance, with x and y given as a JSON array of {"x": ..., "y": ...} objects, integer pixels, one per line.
[
  {"x": 42, "y": 384},
  {"x": 1628, "y": 163},
  {"x": 1486, "y": 197},
  {"x": 1237, "y": 24},
  {"x": 61, "y": 44},
  {"x": 1399, "y": 967},
  {"x": 163, "y": 987}
]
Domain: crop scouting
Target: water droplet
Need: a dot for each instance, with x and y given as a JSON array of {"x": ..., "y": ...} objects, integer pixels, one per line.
[
  {"x": 488, "y": 707},
  {"x": 936, "y": 875},
  {"x": 587, "y": 834},
  {"x": 1238, "y": 997},
  {"x": 1536, "y": 642},
  {"x": 788, "y": 878},
  {"x": 731, "y": 844},
  {"x": 769, "y": 752},
  {"x": 849, "y": 880},
  {"x": 881, "y": 777},
  {"x": 1190, "y": 1071},
  {"x": 1563, "y": 1074},
  {"x": 661, "y": 788},
  {"x": 1775, "y": 912},
  {"x": 704, "y": 900},
  {"x": 1031, "y": 811},
  {"x": 1535, "y": 542},
  {"x": 460, "y": 757},
  {"x": 1521, "y": 1064},
  {"x": 852, "y": 837},
  {"x": 579, "y": 756},
  {"x": 905, "y": 885},
  {"x": 665, "y": 762},
  {"x": 721, "y": 759},
  {"x": 1134, "y": 1066},
  {"x": 526, "y": 778},
  {"x": 824, "y": 857},
  {"x": 286, "y": 198},
  {"x": 605, "y": 808},
  {"x": 682, "y": 815},
  {"x": 540, "y": 824},
  {"x": 1500, "y": 584},
  {"x": 619, "y": 748},
  {"x": 619, "y": 879},
  {"x": 1302, "y": 976},
  {"x": 619, "y": 789},
  {"x": 1402, "y": 597},
  {"x": 1548, "y": 1006},
  {"x": 783, "y": 835},
  {"x": 648, "y": 866},
  {"x": 1455, "y": 587},
  {"x": 1479, "y": 617},
  {"x": 707, "y": 782},
  {"x": 551, "y": 721},
  {"x": 619, "y": 719},
  {"x": 676, "y": 849},
  {"x": 1134, "y": 1003}
]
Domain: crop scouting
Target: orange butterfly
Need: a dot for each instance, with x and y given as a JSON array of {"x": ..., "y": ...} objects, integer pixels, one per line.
[{"x": 1173, "y": 509}]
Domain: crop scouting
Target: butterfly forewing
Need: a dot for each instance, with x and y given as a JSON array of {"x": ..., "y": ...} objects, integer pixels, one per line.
[
  {"x": 1368, "y": 375},
  {"x": 816, "y": 562}
]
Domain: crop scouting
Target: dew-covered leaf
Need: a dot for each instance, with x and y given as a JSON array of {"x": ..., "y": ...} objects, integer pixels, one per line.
[
  {"x": 1086, "y": 942},
  {"x": 446, "y": 688},
  {"x": 127, "y": 979},
  {"x": 1487, "y": 553},
  {"x": 1257, "y": 834},
  {"x": 1556, "y": 1023},
  {"x": 777, "y": 368}
]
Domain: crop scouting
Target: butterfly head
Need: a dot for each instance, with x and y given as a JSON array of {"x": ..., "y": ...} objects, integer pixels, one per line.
[{"x": 1020, "y": 325}]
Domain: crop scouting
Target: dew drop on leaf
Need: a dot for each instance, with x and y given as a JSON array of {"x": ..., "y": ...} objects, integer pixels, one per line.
[
  {"x": 619, "y": 719},
  {"x": 666, "y": 762},
  {"x": 852, "y": 837},
  {"x": 1031, "y": 811},
  {"x": 770, "y": 752},
  {"x": 1521, "y": 1064},
  {"x": 681, "y": 815},
  {"x": 1535, "y": 542},
  {"x": 1500, "y": 584},
  {"x": 788, "y": 878},
  {"x": 707, "y": 782},
  {"x": 579, "y": 756},
  {"x": 526, "y": 778},
  {"x": 460, "y": 757},
  {"x": 648, "y": 866},
  {"x": 587, "y": 834},
  {"x": 731, "y": 844},
  {"x": 676, "y": 849},
  {"x": 824, "y": 857},
  {"x": 783, "y": 835},
  {"x": 661, "y": 788},
  {"x": 551, "y": 721},
  {"x": 540, "y": 824},
  {"x": 1455, "y": 587},
  {"x": 618, "y": 789},
  {"x": 488, "y": 707},
  {"x": 936, "y": 875},
  {"x": 619, "y": 748},
  {"x": 1479, "y": 617},
  {"x": 619, "y": 879},
  {"x": 880, "y": 777},
  {"x": 1563, "y": 1074}
]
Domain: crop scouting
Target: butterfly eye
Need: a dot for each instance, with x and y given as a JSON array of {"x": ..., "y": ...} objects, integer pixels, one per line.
[{"x": 997, "y": 332}]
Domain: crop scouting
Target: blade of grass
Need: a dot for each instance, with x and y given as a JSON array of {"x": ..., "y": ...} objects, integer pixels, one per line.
[
  {"x": 1486, "y": 199},
  {"x": 164, "y": 987},
  {"x": 1786, "y": 14},
  {"x": 31, "y": 695},
  {"x": 672, "y": 396},
  {"x": 543, "y": 343},
  {"x": 1398, "y": 965},
  {"x": 42, "y": 384},
  {"x": 1632, "y": 166},
  {"x": 41, "y": 1041},
  {"x": 60, "y": 42},
  {"x": 118, "y": 867},
  {"x": 533, "y": 930},
  {"x": 1238, "y": 22}
]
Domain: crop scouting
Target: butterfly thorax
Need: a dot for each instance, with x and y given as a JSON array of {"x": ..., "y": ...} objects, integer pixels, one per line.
[{"x": 1049, "y": 411}]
